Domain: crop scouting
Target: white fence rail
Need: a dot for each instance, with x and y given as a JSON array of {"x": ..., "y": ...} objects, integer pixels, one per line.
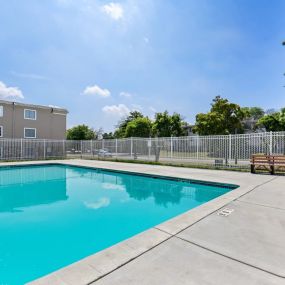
[{"x": 226, "y": 151}]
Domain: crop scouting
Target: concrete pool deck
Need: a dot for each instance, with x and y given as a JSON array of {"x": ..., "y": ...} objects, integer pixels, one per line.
[{"x": 199, "y": 246}]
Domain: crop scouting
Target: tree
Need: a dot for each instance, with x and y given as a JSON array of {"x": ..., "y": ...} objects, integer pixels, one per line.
[
  {"x": 224, "y": 118},
  {"x": 253, "y": 112},
  {"x": 177, "y": 125},
  {"x": 273, "y": 122},
  {"x": 80, "y": 132},
  {"x": 139, "y": 127},
  {"x": 108, "y": 136},
  {"x": 282, "y": 118},
  {"x": 120, "y": 132},
  {"x": 166, "y": 125}
]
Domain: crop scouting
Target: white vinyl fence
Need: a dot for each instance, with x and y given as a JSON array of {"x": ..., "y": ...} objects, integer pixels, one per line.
[{"x": 225, "y": 151}]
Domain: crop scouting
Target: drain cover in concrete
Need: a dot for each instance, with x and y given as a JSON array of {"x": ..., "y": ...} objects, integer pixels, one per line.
[{"x": 252, "y": 234}]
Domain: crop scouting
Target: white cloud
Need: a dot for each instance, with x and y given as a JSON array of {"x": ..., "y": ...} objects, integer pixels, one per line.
[
  {"x": 10, "y": 92},
  {"x": 114, "y": 10},
  {"x": 97, "y": 91},
  {"x": 116, "y": 110},
  {"x": 125, "y": 94},
  {"x": 101, "y": 203},
  {"x": 152, "y": 109}
]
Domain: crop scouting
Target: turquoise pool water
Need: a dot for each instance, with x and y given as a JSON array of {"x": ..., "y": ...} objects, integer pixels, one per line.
[{"x": 53, "y": 215}]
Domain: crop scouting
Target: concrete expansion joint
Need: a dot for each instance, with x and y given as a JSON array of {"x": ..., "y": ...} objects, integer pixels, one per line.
[
  {"x": 257, "y": 186},
  {"x": 229, "y": 257},
  {"x": 171, "y": 235},
  {"x": 197, "y": 221},
  {"x": 130, "y": 260},
  {"x": 261, "y": 205}
]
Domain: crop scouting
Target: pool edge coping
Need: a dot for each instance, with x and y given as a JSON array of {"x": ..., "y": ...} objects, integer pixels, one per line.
[{"x": 94, "y": 267}]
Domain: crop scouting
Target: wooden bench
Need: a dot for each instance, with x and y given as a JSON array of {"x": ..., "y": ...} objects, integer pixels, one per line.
[
  {"x": 271, "y": 163},
  {"x": 278, "y": 163},
  {"x": 260, "y": 162}
]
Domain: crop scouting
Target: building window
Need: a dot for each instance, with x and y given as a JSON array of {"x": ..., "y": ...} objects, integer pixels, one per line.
[
  {"x": 1, "y": 111},
  {"x": 30, "y": 114},
  {"x": 1, "y": 131},
  {"x": 30, "y": 133}
]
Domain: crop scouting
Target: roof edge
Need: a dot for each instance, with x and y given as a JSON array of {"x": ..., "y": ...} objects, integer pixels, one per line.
[{"x": 34, "y": 105}]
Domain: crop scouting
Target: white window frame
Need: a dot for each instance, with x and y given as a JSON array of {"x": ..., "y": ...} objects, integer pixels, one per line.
[
  {"x": 1, "y": 135},
  {"x": 32, "y": 111},
  {"x": 1, "y": 111},
  {"x": 30, "y": 137}
]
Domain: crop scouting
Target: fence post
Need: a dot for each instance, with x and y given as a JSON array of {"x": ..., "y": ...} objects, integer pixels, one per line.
[
  {"x": 149, "y": 147},
  {"x": 283, "y": 133},
  {"x": 116, "y": 146},
  {"x": 44, "y": 149},
  {"x": 63, "y": 148},
  {"x": 91, "y": 148},
  {"x": 230, "y": 148},
  {"x": 197, "y": 150},
  {"x": 131, "y": 147},
  {"x": 21, "y": 148},
  {"x": 171, "y": 147},
  {"x": 236, "y": 154},
  {"x": 81, "y": 148},
  {"x": 270, "y": 144}
]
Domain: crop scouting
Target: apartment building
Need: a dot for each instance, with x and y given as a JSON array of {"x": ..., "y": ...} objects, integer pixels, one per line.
[{"x": 27, "y": 121}]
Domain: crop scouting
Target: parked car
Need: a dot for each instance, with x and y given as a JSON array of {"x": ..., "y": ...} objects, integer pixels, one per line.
[{"x": 104, "y": 153}]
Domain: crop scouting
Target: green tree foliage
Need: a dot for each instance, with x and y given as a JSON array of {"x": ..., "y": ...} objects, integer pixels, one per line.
[
  {"x": 224, "y": 118},
  {"x": 120, "y": 132},
  {"x": 273, "y": 122},
  {"x": 108, "y": 136},
  {"x": 136, "y": 125},
  {"x": 139, "y": 127},
  {"x": 80, "y": 132},
  {"x": 166, "y": 125},
  {"x": 253, "y": 112}
]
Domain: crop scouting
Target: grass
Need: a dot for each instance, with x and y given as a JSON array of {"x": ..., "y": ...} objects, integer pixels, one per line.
[
  {"x": 189, "y": 165},
  {"x": 183, "y": 154}
]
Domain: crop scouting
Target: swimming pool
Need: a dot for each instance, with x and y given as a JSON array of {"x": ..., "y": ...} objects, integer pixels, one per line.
[{"x": 54, "y": 215}]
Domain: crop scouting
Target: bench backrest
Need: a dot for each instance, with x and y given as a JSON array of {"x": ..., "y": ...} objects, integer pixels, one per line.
[
  {"x": 260, "y": 158},
  {"x": 268, "y": 159},
  {"x": 278, "y": 159}
]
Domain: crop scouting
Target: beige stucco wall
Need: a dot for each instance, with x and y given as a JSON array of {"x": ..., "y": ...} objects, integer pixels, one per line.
[
  {"x": 7, "y": 121},
  {"x": 50, "y": 123}
]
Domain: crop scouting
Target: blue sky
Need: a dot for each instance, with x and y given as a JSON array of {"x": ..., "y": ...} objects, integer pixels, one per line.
[{"x": 100, "y": 59}]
